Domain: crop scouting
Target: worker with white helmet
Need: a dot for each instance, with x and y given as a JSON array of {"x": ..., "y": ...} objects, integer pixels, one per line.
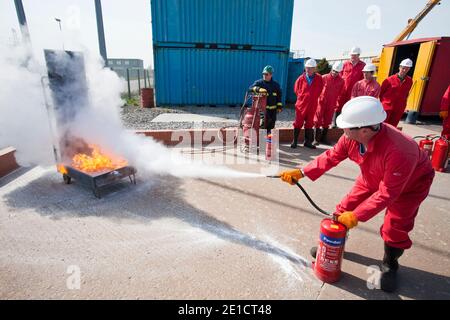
[
  {"x": 332, "y": 87},
  {"x": 351, "y": 73},
  {"x": 367, "y": 86},
  {"x": 307, "y": 89},
  {"x": 394, "y": 92},
  {"x": 396, "y": 175}
]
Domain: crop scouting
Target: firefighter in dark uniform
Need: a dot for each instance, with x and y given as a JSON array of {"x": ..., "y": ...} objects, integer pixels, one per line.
[{"x": 272, "y": 89}]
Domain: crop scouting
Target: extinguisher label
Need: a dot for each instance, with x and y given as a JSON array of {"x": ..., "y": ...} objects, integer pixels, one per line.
[{"x": 334, "y": 242}]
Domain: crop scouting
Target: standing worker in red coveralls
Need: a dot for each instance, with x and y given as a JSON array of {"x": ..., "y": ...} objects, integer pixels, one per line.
[
  {"x": 307, "y": 88},
  {"x": 351, "y": 73},
  {"x": 394, "y": 93},
  {"x": 445, "y": 106},
  {"x": 332, "y": 88},
  {"x": 367, "y": 86},
  {"x": 396, "y": 175}
]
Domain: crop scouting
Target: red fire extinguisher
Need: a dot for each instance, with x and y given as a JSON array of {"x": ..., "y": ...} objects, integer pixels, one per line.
[
  {"x": 439, "y": 157},
  {"x": 269, "y": 147},
  {"x": 426, "y": 144},
  {"x": 330, "y": 250}
]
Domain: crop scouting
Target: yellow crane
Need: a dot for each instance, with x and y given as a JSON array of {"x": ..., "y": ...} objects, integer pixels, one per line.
[{"x": 412, "y": 24}]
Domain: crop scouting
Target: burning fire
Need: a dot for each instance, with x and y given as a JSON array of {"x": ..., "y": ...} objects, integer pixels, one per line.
[{"x": 97, "y": 161}]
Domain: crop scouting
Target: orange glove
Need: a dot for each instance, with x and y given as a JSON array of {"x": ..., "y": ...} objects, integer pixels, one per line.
[
  {"x": 291, "y": 176},
  {"x": 443, "y": 114},
  {"x": 349, "y": 219}
]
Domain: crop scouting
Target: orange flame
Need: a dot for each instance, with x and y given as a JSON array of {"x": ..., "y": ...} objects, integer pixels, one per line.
[{"x": 96, "y": 161}]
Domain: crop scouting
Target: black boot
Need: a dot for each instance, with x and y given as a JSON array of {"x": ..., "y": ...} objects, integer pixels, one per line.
[
  {"x": 388, "y": 281},
  {"x": 296, "y": 134},
  {"x": 323, "y": 138},
  {"x": 309, "y": 137},
  {"x": 317, "y": 136}
]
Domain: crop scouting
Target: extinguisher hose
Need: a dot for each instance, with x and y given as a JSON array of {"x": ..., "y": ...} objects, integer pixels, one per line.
[{"x": 309, "y": 198}]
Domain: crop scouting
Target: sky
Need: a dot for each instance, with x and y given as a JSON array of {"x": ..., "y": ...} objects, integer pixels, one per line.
[{"x": 319, "y": 28}]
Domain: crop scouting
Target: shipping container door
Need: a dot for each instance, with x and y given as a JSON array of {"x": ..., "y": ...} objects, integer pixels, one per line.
[
  {"x": 420, "y": 76},
  {"x": 384, "y": 68}
]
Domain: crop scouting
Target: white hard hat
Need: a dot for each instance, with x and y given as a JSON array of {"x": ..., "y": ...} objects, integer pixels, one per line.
[
  {"x": 406, "y": 63},
  {"x": 360, "y": 112},
  {"x": 337, "y": 66},
  {"x": 369, "y": 67},
  {"x": 355, "y": 50},
  {"x": 311, "y": 63}
]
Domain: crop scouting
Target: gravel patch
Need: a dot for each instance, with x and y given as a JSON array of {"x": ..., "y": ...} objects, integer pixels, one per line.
[{"x": 137, "y": 118}]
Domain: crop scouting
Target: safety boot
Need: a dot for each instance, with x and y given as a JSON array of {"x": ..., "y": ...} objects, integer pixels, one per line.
[
  {"x": 388, "y": 281},
  {"x": 296, "y": 134},
  {"x": 323, "y": 138},
  {"x": 309, "y": 137}
]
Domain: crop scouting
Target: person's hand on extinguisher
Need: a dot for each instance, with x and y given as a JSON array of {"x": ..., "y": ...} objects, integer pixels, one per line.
[
  {"x": 443, "y": 115},
  {"x": 348, "y": 219},
  {"x": 291, "y": 176}
]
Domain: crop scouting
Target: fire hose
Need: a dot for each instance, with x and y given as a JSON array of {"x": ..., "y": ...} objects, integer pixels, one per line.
[{"x": 309, "y": 198}]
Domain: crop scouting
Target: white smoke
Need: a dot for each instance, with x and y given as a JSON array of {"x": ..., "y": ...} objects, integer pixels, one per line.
[
  {"x": 23, "y": 117},
  {"x": 25, "y": 126}
]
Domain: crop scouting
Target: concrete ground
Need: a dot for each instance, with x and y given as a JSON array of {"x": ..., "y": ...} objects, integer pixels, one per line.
[{"x": 168, "y": 238}]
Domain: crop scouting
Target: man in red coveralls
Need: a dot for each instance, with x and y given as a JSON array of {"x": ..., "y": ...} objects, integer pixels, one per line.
[
  {"x": 332, "y": 88},
  {"x": 367, "y": 86},
  {"x": 307, "y": 89},
  {"x": 396, "y": 175},
  {"x": 351, "y": 73},
  {"x": 394, "y": 93},
  {"x": 445, "y": 106}
]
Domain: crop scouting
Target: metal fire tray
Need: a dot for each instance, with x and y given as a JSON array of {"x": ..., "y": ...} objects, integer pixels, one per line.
[{"x": 99, "y": 179}]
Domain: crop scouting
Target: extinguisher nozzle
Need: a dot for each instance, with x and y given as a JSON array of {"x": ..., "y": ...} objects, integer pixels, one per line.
[{"x": 273, "y": 176}]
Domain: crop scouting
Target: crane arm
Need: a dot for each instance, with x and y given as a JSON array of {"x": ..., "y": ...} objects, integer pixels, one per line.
[{"x": 412, "y": 23}]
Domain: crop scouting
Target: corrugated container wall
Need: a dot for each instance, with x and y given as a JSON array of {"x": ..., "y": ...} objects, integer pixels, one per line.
[
  {"x": 211, "y": 51},
  {"x": 196, "y": 76},
  {"x": 244, "y": 22}
]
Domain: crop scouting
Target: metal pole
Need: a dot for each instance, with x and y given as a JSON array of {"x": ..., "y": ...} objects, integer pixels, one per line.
[
  {"x": 22, "y": 21},
  {"x": 145, "y": 80},
  {"x": 139, "y": 81},
  {"x": 128, "y": 80},
  {"x": 101, "y": 30}
]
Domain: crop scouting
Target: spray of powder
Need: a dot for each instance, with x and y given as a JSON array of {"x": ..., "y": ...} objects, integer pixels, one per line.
[{"x": 25, "y": 125}]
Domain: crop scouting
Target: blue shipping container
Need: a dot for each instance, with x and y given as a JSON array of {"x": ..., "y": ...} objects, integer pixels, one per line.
[
  {"x": 295, "y": 69},
  {"x": 255, "y": 23},
  {"x": 205, "y": 77}
]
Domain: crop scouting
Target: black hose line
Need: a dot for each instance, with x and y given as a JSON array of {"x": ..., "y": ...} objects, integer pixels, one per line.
[
  {"x": 309, "y": 198},
  {"x": 311, "y": 201}
]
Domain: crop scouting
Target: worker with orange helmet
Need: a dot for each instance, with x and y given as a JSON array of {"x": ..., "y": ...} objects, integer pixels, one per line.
[{"x": 396, "y": 175}]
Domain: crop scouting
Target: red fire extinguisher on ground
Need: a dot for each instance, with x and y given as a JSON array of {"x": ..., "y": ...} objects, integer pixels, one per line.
[
  {"x": 439, "y": 157},
  {"x": 437, "y": 151},
  {"x": 330, "y": 250},
  {"x": 426, "y": 144}
]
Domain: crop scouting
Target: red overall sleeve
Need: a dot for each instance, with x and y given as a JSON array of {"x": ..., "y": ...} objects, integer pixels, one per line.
[
  {"x": 327, "y": 160},
  {"x": 384, "y": 87},
  {"x": 397, "y": 172},
  {"x": 445, "y": 102}
]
